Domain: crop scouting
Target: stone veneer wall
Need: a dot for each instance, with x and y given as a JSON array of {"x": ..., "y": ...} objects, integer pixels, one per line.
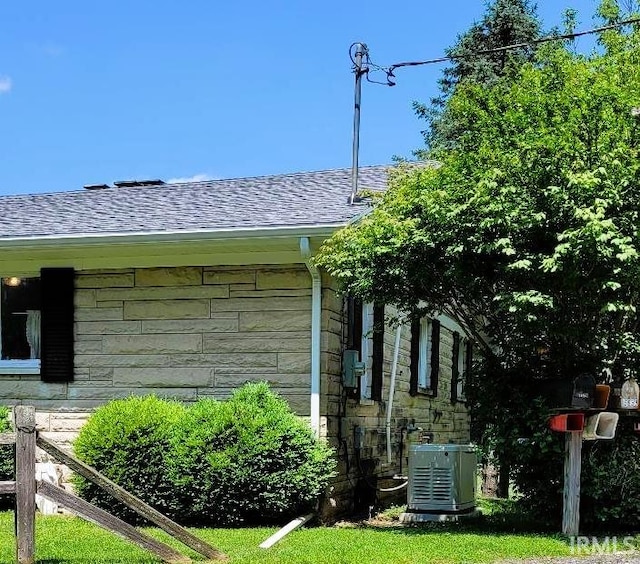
[
  {"x": 183, "y": 333},
  {"x": 194, "y": 332},
  {"x": 449, "y": 422}
]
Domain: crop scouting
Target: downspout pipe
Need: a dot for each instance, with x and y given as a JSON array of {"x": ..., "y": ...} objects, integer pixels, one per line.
[
  {"x": 316, "y": 320},
  {"x": 392, "y": 389}
]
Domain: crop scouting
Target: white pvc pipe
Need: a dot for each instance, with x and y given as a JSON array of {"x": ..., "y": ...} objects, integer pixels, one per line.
[
  {"x": 291, "y": 526},
  {"x": 316, "y": 320},
  {"x": 392, "y": 389}
]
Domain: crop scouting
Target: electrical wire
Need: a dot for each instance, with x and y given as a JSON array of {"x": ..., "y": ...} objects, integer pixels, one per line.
[{"x": 368, "y": 65}]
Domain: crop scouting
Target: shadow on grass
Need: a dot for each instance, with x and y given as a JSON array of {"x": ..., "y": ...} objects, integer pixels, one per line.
[
  {"x": 497, "y": 517},
  {"x": 94, "y": 561}
]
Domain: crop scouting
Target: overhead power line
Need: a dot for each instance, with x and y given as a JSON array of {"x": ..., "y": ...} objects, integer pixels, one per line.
[
  {"x": 369, "y": 65},
  {"x": 362, "y": 65}
]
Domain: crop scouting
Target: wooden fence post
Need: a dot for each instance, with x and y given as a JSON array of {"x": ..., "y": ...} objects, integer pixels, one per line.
[
  {"x": 572, "y": 471},
  {"x": 25, "y": 516}
]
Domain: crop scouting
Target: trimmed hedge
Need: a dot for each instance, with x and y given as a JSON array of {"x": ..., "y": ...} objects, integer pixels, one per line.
[
  {"x": 246, "y": 460},
  {"x": 128, "y": 440}
]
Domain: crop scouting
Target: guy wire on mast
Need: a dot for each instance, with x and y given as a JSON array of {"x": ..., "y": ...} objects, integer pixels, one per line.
[{"x": 362, "y": 65}]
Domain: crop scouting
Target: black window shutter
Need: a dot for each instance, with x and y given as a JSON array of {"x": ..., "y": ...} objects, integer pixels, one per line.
[
  {"x": 415, "y": 356},
  {"x": 354, "y": 324},
  {"x": 56, "y": 353},
  {"x": 435, "y": 355},
  {"x": 455, "y": 371},
  {"x": 468, "y": 363},
  {"x": 377, "y": 353}
]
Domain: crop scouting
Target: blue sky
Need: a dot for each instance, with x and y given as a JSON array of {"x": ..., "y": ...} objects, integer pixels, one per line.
[{"x": 93, "y": 92}]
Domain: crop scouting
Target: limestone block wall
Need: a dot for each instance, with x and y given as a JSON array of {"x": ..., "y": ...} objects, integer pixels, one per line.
[
  {"x": 183, "y": 333},
  {"x": 193, "y": 332},
  {"x": 360, "y": 468}
]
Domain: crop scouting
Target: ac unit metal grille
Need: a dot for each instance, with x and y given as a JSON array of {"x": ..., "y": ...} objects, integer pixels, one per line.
[
  {"x": 441, "y": 478},
  {"x": 432, "y": 484}
]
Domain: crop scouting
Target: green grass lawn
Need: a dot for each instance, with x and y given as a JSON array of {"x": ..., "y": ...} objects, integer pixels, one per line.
[{"x": 71, "y": 540}]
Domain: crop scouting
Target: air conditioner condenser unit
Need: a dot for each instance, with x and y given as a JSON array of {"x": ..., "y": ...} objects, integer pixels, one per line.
[{"x": 442, "y": 482}]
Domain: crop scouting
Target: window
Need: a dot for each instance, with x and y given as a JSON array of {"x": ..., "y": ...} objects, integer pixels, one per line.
[
  {"x": 424, "y": 362},
  {"x": 20, "y": 324},
  {"x": 462, "y": 358},
  {"x": 36, "y": 325},
  {"x": 365, "y": 333},
  {"x": 425, "y": 356},
  {"x": 366, "y": 350}
]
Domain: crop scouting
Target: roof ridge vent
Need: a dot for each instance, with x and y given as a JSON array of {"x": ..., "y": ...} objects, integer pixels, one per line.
[
  {"x": 96, "y": 186},
  {"x": 136, "y": 183}
]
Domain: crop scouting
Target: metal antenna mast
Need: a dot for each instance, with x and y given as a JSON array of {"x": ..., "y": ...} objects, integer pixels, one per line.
[{"x": 357, "y": 51}]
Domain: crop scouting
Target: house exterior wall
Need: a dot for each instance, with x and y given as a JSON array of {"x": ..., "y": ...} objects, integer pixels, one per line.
[
  {"x": 192, "y": 332},
  {"x": 184, "y": 333},
  {"x": 362, "y": 468}
]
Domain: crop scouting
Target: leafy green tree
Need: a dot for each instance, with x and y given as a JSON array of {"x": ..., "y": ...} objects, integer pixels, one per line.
[
  {"x": 526, "y": 234},
  {"x": 505, "y": 22}
]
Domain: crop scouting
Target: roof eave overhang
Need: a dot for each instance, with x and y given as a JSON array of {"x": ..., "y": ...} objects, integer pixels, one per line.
[{"x": 175, "y": 236}]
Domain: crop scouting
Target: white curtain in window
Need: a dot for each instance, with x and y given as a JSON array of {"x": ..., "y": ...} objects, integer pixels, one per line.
[{"x": 33, "y": 332}]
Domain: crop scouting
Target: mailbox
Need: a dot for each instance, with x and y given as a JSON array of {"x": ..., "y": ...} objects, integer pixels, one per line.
[{"x": 578, "y": 393}]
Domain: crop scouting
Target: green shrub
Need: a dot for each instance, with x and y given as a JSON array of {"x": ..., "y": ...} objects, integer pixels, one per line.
[
  {"x": 248, "y": 460},
  {"x": 611, "y": 482},
  {"x": 7, "y": 457},
  {"x": 128, "y": 441},
  {"x": 245, "y": 460}
]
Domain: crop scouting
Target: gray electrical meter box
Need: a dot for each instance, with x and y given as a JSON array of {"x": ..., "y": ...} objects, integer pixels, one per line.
[{"x": 352, "y": 368}]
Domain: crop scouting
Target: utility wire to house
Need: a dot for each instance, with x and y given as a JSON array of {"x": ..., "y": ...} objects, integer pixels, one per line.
[
  {"x": 363, "y": 65},
  {"x": 369, "y": 65}
]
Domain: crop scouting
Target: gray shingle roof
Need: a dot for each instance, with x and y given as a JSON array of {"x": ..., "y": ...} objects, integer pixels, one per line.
[{"x": 286, "y": 200}]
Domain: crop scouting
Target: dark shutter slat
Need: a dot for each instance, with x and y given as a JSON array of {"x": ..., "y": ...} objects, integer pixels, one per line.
[
  {"x": 455, "y": 371},
  {"x": 468, "y": 364},
  {"x": 377, "y": 353},
  {"x": 415, "y": 356},
  {"x": 435, "y": 355},
  {"x": 56, "y": 355},
  {"x": 354, "y": 324}
]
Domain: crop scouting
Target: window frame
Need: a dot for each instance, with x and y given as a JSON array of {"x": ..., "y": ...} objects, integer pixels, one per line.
[
  {"x": 462, "y": 358},
  {"x": 17, "y": 367},
  {"x": 425, "y": 351},
  {"x": 365, "y": 333},
  {"x": 461, "y": 393},
  {"x": 366, "y": 351},
  {"x": 425, "y": 346}
]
